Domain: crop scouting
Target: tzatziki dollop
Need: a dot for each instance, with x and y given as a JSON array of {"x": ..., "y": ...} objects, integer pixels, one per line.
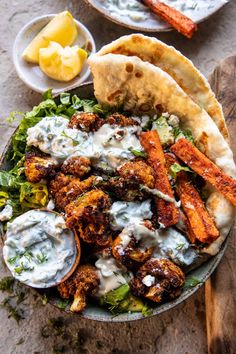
[
  {"x": 173, "y": 245},
  {"x": 107, "y": 148},
  {"x": 39, "y": 250},
  {"x": 136, "y": 12},
  {"x": 124, "y": 213},
  {"x": 111, "y": 277}
]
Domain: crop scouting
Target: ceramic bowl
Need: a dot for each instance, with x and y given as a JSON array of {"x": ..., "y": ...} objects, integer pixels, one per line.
[
  {"x": 93, "y": 310},
  {"x": 31, "y": 74}
]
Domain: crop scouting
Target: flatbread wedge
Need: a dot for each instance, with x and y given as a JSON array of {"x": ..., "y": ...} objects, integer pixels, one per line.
[
  {"x": 141, "y": 87},
  {"x": 176, "y": 65}
]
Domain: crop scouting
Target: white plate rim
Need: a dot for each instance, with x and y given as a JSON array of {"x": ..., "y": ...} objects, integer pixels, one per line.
[
  {"x": 27, "y": 26},
  {"x": 114, "y": 19}
]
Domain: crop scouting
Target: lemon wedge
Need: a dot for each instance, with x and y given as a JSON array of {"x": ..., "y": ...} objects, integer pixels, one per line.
[
  {"x": 61, "y": 64},
  {"x": 61, "y": 29}
]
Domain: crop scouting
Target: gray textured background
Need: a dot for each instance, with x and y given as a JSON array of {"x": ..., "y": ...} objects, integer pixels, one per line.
[{"x": 181, "y": 331}]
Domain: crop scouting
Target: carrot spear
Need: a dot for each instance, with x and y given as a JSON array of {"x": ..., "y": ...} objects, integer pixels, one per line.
[{"x": 175, "y": 18}]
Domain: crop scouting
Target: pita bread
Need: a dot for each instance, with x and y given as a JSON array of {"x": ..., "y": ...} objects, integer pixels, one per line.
[
  {"x": 177, "y": 66},
  {"x": 141, "y": 87}
]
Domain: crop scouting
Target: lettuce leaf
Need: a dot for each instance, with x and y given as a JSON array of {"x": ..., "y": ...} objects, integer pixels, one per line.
[{"x": 9, "y": 181}]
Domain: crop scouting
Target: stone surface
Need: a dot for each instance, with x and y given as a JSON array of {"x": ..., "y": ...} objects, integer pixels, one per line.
[{"x": 180, "y": 331}]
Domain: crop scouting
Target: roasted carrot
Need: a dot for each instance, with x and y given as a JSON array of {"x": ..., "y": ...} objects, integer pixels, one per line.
[
  {"x": 204, "y": 167},
  {"x": 168, "y": 213},
  {"x": 201, "y": 223},
  {"x": 185, "y": 227},
  {"x": 175, "y": 18}
]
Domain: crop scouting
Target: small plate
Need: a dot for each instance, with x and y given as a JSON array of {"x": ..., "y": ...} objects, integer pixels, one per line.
[
  {"x": 31, "y": 74},
  {"x": 151, "y": 22}
]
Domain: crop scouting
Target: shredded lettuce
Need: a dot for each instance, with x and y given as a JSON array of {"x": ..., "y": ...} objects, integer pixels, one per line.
[
  {"x": 67, "y": 106},
  {"x": 175, "y": 168},
  {"x": 179, "y": 134}
]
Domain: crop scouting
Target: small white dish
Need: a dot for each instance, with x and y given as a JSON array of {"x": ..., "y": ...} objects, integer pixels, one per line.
[{"x": 31, "y": 74}]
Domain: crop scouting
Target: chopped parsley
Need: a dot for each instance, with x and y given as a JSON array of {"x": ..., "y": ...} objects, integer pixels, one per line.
[{"x": 22, "y": 268}]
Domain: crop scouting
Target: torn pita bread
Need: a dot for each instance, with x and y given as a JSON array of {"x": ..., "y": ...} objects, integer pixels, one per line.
[
  {"x": 177, "y": 66},
  {"x": 142, "y": 87}
]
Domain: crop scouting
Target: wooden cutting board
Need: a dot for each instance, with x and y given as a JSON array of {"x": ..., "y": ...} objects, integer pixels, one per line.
[{"x": 221, "y": 287}]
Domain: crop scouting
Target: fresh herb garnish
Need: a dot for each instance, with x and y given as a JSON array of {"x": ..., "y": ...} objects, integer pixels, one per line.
[
  {"x": 13, "y": 312},
  {"x": 13, "y": 260},
  {"x": 180, "y": 246},
  {"x": 28, "y": 255},
  {"x": 22, "y": 268},
  {"x": 6, "y": 284},
  {"x": 41, "y": 258},
  {"x": 62, "y": 303}
]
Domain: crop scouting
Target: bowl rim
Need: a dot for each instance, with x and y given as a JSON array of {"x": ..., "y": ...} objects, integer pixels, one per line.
[
  {"x": 214, "y": 262},
  {"x": 157, "y": 29},
  {"x": 21, "y": 34}
]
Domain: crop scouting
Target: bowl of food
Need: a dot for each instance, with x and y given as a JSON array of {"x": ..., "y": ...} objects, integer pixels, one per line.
[
  {"x": 139, "y": 166},
  {"x": 52, "y": 51}
]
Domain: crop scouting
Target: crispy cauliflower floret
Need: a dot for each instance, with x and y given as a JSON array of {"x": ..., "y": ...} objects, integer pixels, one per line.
[
  {"x": 38, "y": 167},
  {"x": 58, "y": 182},
  {"x": 120, "y": 119},
  {"x": 88, "y": 122},
  {"x": 137, "y": 171},
  {"x": 76, "y": 165},
  {"x": 83, "y": 282},
  {"x": 73, "y": 190},
  {"x": 158, "y": 280},
  {"x": 129, "y": 253},
  {"x": 89, "y": 216},
  {"x": 124, "y": 189}
]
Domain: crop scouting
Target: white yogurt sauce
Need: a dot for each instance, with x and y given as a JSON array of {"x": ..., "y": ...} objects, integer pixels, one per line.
[
  {"x": 124, "y": 213},
  {"x": 173, "y": 245},
  {"x": 107, "y": 148},
  {"x": 111, "y": 277},
  {"x": 39, "y": 250},
  {"x": 6, "y": 213},
  {"x": 135, "y": 11},
  {"x": 147, "y": 238},
  {"x": 161, "y": 195},
  {"x": 52, "y": 136}
]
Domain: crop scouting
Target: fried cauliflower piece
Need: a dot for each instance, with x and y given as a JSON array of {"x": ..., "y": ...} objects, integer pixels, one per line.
[
  {"x": 73, "y": 190},
  {"x": 58, "y": 182},
  {"x": 131, "y": 255},
  {"x": 76, "y": 165},
  {"x": 120, "y": 119},
  {"x": 137, "y": 171},
  {"x": 124, "y": 189},
  {"x": 89, "y": 216},
  {"x": 88, "y": 122},
  {"x": 158, "y": 280},
  {"x": 133, "y": 175},
  {"x": 83, "y": 282},
  {"x": 38, "y": 167}
]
